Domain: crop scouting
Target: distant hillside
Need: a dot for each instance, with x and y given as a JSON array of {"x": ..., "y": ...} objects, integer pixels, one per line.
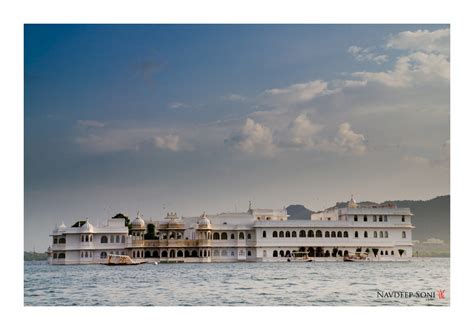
[
  {"x": 431, "y": 218},
  {"x": 34, "y": 256}
]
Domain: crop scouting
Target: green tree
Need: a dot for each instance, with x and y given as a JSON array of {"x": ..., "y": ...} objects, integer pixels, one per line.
[{"x": 151, "y": 231}]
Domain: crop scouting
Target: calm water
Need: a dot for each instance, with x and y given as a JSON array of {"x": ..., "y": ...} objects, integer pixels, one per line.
[{"x": 323, "y": 283}]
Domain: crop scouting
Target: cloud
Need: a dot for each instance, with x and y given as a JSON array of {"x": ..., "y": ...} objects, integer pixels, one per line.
[
  {"x": 90, "y": 123},
  {"x": 437, "y": 41},
  {"x": 296, "y": 93},
  {"x": 350, "y": 141},
  {"x": 441, "y": 161},
  {"x": 177, "y": 105},
  {"x": 234, "y": 98},
  {"x": 254, "y": 138},
  {"x": 170, "y": 142},
  {"x": 304, "y": 132},
  {"x": 411, "y": 70},
  {"x": 366, "y": 55}
]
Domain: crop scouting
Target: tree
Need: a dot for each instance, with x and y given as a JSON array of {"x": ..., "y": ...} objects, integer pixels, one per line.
[
  {"x": 128, "y": 223},
  {"x": 151, "y": 231}
]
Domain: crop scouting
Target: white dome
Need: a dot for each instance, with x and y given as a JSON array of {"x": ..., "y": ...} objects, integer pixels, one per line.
[
  {"x": 138, "y": 222},
  {"x": 87, "y": 227},
  {"x": 62, "y": 227},
  {"x": 204, "y": 220}
]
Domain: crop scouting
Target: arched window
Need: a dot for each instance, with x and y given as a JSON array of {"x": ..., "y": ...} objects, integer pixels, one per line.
[
  {"x": 155, "y": 254},
  {"x": 216, "y": 236},
  {"x": 403, "y": 218},
  {"x": 249, "y": 236},
  {"x": 302, "y": 233},
  {"x": 264, "y": 234},
  {"x": 326, "y": 234},
  {"x": 180, "y": 254},
  {"x": 104, "y": 239},
  {"x": 194, "y": 254},
  {"x": 375, "y": 234},
  {"x": 147, "y": 254},
  {"x": 339, "y": 234},
  {"x": 319, "y": 233},
  {"x": 86, "y": 255},
  {"x": 404, "y": 234},
  {"x": 355, "y": 218},
  {"x": 223, "y": 236},
  {"x": 282, "y": 253},
  {"x": 82, "y": 254},
  {"x": 381, "y": 234},
  {"x": 287, "y": 234},
  {"x": 333, "y": 234},
  {"x": 164, "y": 254},
  {"x": 293, "y": 234},
  {"x": 103, "y": 255},
  {"x": 241, "y": 235},
  {"x": 356, "y": 234},
  {"x": 365, "y": 218},
  {"x": 275, "y": 234},
  {"x": 386, "y": 234},
  {"x": 61, "y": 256},
  {"x": 117, "y": 239},
  {"x": 232, "y": 236},
  {"x": 216, "y": 253},
  {"x": 392, "y": 253},
  {"x": 310, "y": 233},
  {"x": 249, "y": 253},
  {"x": 281, "y": 234},
  {"x": 380, "y": 218},
  {"x": 366, "y": 234},
  {"x": 62, "y": 240},
  {"x": 346, "y": 234},
  {"x": 275, "y": 253}
]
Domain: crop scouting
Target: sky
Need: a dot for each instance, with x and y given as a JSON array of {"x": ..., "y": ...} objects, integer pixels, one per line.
[{"x": 193, "y": 118}]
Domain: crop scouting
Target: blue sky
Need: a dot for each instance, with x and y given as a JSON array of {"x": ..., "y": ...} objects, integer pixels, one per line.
[{"x": 205, "y": 117}]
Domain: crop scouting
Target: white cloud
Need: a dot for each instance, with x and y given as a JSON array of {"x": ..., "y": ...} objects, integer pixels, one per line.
[
  {"x": 366, "y": 55},
  {"x": 304, "y": 132},
  {"x": 177, "y": 105},
  {"x": 90, "y": 123},
  {"x": 234, "y": 98},
  {"x": 422, "y": 40},
  {"x": 254, "y": 138},
  {"x": 170, "y": 142},
  {"x": 350, "y": 141},
  {"x": 297, "y": 93}
]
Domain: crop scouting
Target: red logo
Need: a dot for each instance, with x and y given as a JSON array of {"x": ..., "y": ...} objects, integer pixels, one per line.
[{"x": 441, "y": 294}]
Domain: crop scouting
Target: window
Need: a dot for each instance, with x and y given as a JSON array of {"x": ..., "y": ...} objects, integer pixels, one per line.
[
  {"x": 123, "y": 239},
  {"x": 326, "y": 234},
  {"x": 55, "y": 241},
  {"x": 249, "y": 236},
  {"x": 103, "y": 239},
  {"x": 381, "y": 234},
  {"x": 293, "y": 234},
  {"x": 287, "y": 234},
  {"x": 339, "y": 234},
  {"x": 403, "y": 218},
  {"x": 356, "y": 234},
  {"x": 385, "y": 218},
  {"x": 224, "y": 236},
  {"x": 264, "y": 234},
  {"x": 365, "y": 218},
  {"x": 61, "y": 256},
  {"x": 310, "y": 233},
  {"x": 281, "y": 234},
  {"x": 241, "y": 235},
  {"x": 275, "y": 253},
  {"x": 392, "y": 253},
  {"x": 333, "y": 234},
  {"x": 380, "y": 218},
  {"x": 404, "y": 234},
  {"x": 264, "y": 253},
  {"x": 112, "y": 239},
  {"x": 282, "y": 253},
  {"x": 375, "y": 234},
  {"x": 231, "y": 253},
  {"x": 302, "y": 233},
  {"x": 386, "y": 234},
  {"x": 249, "y": 254},
  {"x": 319, "y": 233},
  {"x": 346, "y": 234},
  {"x": 355, "y": 218},
  {"x": 366, "y": 234},
  {"x": 232, "y": 236},
  {"x": 275, "y": 234},
  {"x": 117, "y": 239},
  {"x": 375, "y": 218},
  {"x": 216, "y": 236},
  {"x": 62, "y": 240}
]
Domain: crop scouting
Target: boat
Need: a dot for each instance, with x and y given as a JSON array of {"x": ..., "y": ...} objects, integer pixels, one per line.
[
  {"x": 358, "y": 257},
  {"x": 120, "y": 260},
  {"x": 299, "y": 257}
]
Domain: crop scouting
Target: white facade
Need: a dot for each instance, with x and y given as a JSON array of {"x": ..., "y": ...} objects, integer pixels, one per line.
[{"x": 382, "y": 231}]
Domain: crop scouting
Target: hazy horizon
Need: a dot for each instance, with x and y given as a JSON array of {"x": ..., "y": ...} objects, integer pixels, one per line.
[{"x": 193, "y": 118}]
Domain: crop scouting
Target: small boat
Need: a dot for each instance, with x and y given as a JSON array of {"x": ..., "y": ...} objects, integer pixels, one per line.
[
  {"x": 299, "y": 257},
  {"x": 120, "y": 260},
  {"x": 358, "y": 257}
]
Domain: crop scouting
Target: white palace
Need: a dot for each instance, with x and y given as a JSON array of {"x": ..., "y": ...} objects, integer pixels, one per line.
[{"x": 383, "y": 232}]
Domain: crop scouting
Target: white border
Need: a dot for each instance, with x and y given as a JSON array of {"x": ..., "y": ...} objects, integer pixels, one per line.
[{"x": 15, "y": 14}]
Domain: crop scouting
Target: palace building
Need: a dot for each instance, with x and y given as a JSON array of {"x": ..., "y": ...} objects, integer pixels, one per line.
[{"x": 382, "y": 232}]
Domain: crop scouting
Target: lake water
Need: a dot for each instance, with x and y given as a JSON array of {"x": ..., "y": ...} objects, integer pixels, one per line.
[{"x": 229, "y": 284}]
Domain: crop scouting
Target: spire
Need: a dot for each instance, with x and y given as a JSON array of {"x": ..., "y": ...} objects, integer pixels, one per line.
[{"x": 250, "y": 206}]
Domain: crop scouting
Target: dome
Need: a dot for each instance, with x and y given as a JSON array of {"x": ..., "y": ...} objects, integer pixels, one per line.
[
  {"x": 138, "y": 222},
  {"x": 352, "y": 203},
  {"x": 62, "y": 227},
  {"x": 204, "y": 220},
  {"x": 87, "y": 227}
]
